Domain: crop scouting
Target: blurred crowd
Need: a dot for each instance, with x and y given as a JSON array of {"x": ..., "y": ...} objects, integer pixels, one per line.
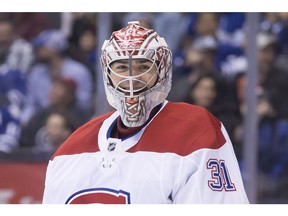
[{"x": 48, "y": 69}]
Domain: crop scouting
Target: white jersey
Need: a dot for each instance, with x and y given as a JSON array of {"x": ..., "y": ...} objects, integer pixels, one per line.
[{"x": 183, "y": 155}]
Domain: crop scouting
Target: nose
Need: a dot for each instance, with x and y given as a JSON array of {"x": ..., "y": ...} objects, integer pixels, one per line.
[{"x": 134, "y": 71}]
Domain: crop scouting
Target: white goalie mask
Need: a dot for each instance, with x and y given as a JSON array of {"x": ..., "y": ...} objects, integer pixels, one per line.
[{"x": 137, "y": 72}]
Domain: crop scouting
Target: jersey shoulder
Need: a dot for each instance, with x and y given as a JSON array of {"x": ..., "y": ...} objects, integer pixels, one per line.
[
  {"x": 84, "y": 139},
  {"x": 182, "y": 128},
  {"x": 188, "y": 112}
]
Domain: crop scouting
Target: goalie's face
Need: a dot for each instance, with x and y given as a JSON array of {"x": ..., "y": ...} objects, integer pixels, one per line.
[{"x": 133, "y": 76}]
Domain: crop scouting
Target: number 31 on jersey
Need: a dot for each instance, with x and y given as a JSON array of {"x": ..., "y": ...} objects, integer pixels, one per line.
[{"x": 220, "y": 178}]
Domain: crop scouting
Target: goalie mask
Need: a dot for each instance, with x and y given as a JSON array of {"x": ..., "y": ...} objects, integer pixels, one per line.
[{"x": 137, "y": 72}]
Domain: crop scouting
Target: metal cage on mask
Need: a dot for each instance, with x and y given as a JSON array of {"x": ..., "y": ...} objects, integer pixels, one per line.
[{"x": 132, "y": 83}]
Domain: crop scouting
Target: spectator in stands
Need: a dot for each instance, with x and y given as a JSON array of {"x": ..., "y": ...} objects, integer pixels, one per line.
[
  {"x": 199, "y": 57},
  {"x": 277, "y": 25},
  {"x": 272, "y": 85},
  {"x": 274, "y": 23},
  {"x": 12, "y": 95},
  {"x": 81, "y": 22},
  {"x": 50, "y": 47},
  {"x": 231, "y": 29},
  {"x": 204, "y": 92},
  {"x": 201, "y": 25},
  {"x": 227, "y": 29},
  {"x": 62, "y": 99},
  {"x": 58, "y": 127},
  {"x": 28, "y": 25},
  {"x": 9, "y": 127},
  {"x": 232, "y": 41},
  {"x": 83, "y": 40},
  {"x": 16, "y": 51},
  {"x": 202, "y": 54},
  {"x": 206, "y": 24}
]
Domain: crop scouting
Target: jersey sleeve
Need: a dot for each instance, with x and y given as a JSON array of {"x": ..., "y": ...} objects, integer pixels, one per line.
[{"x": 210, "y": 175}]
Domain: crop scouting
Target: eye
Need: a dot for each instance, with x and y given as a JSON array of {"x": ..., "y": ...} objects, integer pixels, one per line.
[
  {"x": 144, "y": 67},
  {"x": 120, "y": 68}
]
